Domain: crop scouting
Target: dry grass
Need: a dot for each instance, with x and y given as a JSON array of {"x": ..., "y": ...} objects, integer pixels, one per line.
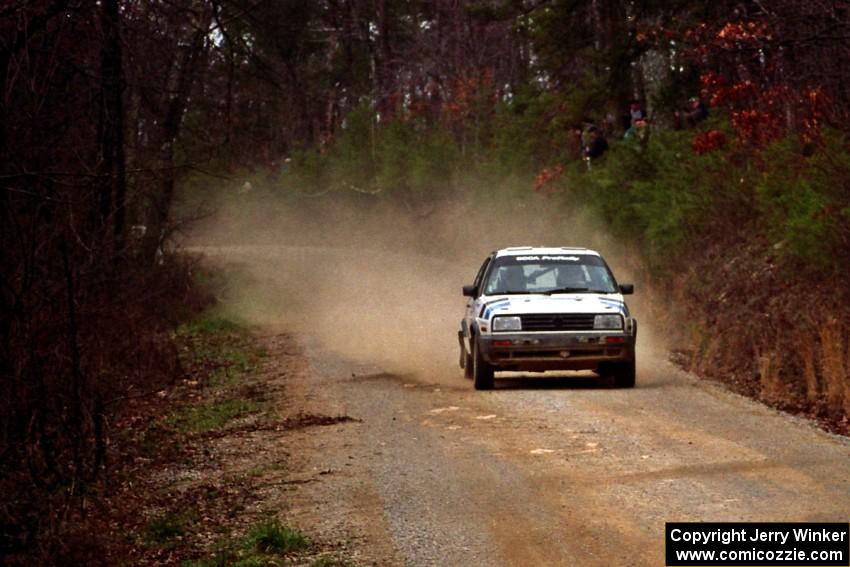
[
  {"x": 704, "y": 356},
  {"x": 832, "y": 365},
  {"x": 808, "y": 352},
  {"x": 847, "y": 380},
  {"x": 769, "y": 364}
]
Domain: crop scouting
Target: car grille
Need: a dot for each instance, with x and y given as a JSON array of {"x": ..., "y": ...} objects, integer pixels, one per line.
[{"x": 557, "y": 322}]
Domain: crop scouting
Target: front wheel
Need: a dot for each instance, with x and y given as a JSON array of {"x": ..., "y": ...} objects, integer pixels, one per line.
[
  {"x": 482, "y": 372},
  {"x": 624, "y": 374}
]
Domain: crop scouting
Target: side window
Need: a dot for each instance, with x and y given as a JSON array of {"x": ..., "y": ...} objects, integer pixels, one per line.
[{"x": 480, "y": 276}]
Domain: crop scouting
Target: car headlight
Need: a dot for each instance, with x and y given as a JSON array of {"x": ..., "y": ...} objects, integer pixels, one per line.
[
  {"x": 507, "y": 324},
  {"x": 607, "y": 322}
]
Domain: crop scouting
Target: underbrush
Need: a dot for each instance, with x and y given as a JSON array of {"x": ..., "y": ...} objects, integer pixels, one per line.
[
  {"x": 212, "y": 391},
  {"x": 265, "y": 543},
  {"x": 88, "y": 341},
  {"x": 772, "y": 334},
  {"x": 140, "y": 391},
  {"x": 209, "y": 416}
]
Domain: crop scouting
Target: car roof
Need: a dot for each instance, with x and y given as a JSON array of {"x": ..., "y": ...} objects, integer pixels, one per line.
[{"x": 525, "y": 250}]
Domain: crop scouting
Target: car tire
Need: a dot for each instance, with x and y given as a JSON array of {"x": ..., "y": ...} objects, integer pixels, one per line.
[
  {"x": 482, "y": 372},
  {"x": 624, "y": 374}
]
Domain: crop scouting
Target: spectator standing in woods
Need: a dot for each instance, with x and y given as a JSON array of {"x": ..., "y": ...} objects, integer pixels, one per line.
[
  {"x": 609, "y": 125},
  {"x": 637, "y": 131},
  {"x": 695, "y": 113},
  {"x": 635, "y": 112},
  {"x": 597, "y": 144}
]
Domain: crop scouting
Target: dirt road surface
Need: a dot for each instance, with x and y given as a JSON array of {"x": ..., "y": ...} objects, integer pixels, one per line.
[{"x": 540, "y": 471}]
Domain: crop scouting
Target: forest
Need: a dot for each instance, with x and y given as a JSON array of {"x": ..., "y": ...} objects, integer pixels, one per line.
[{"x": 712, "y": 137}]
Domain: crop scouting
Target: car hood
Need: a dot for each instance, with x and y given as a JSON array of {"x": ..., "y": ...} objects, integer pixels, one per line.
[{"x": 558, "y": 303}]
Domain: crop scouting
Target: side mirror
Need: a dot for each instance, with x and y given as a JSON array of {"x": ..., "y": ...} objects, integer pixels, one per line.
[
  {"x": 469, "y": 290},
  {"x": 627, "y": 288}
]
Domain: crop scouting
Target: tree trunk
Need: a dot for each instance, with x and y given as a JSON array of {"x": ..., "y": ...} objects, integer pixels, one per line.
[
  {"x": 113, "y": 189},
  {"x": 187, "y": 70}
]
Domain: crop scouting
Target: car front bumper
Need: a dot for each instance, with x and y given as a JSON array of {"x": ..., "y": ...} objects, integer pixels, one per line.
[{"x": 557, "y": 350}]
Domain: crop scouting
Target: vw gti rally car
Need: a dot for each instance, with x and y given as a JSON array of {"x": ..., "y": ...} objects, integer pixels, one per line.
[{"x": 538, "y": 309}]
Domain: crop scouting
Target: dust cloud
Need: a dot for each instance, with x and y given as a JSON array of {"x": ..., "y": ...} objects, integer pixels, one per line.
[{"x": 378, "y": 283}]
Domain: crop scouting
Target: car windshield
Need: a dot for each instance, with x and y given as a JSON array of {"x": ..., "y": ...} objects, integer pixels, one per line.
[{"x": 540, "y": 273}]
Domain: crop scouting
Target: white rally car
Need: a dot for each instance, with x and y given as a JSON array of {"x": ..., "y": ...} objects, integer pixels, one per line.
[{"x": 538, "y": 309}]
